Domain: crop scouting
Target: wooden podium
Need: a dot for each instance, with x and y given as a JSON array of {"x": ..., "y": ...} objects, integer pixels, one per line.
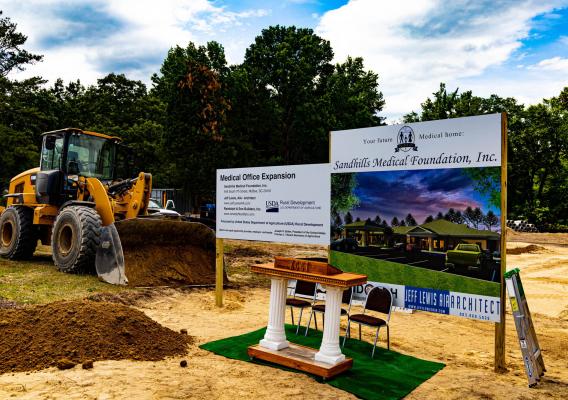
[{"x": 328, "y": 361}]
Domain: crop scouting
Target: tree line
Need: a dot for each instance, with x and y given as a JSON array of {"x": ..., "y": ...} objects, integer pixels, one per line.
[
  {"x": 276, "y": 107},
  {"x": 473, "y": 217}
]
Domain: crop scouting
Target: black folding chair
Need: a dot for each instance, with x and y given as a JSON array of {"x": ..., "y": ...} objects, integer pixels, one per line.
[
  {"x": 320, "y": 308},
  {"x": 306, "y": 289},
  {"x": 379, "y": 300}
]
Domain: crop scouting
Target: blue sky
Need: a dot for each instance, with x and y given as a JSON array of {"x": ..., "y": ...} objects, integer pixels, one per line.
[
  {"x": 510, "y": 47},
  {"x": 420, "y": 192}
]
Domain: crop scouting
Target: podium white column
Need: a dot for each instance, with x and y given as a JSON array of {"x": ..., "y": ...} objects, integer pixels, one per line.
[
  {"x": 329, "y": 351},
  {"x": 275, "y": 336}
]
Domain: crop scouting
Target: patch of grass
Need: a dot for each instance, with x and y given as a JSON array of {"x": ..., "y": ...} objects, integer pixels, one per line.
[
  {"x": 38, "y": 282},
  {"x": 402, "y": 274}
]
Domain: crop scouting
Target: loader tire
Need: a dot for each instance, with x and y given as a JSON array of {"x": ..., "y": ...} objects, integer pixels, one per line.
[
  {"x": 18, "y": 235},
  {"x": 75, "y": 239}
]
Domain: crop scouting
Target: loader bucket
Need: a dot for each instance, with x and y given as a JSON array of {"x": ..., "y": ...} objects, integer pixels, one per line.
[{"x": 165, "y": 252}]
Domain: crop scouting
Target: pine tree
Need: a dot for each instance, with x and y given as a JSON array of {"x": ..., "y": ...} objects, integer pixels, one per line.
[
  {"x": 410, "y": 221},
  {"x": 490, "y": 220}
]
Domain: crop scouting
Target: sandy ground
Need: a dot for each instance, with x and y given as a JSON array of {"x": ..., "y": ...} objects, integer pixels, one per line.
[{"x": 466, "y": 346}]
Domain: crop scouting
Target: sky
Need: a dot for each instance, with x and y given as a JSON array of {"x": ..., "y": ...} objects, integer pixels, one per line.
[
  {"x": 419, "y": 192},
  {"x": 513, "y": 48}
]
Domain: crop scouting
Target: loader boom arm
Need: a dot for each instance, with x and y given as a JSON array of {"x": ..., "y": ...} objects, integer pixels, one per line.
[{"x": 101, "y": 199}]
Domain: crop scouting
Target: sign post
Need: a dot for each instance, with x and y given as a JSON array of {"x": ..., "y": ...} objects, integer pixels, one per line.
[
  {"x": 499, "y": 361},
  {"x": 219, "y": 265}
]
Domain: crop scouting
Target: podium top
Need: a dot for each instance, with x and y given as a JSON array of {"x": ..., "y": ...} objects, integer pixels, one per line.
[{"x": 310, "y": 271}]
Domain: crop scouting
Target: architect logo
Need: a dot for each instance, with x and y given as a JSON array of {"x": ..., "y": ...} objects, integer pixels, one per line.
[
  {"x": 405, "y": 138},
  {"x": 272, "y": 206}
]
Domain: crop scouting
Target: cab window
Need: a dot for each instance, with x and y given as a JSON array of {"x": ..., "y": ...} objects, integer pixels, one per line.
[
  {"x": 51, "y": 153},
  {"x": 91, "y": 156}
]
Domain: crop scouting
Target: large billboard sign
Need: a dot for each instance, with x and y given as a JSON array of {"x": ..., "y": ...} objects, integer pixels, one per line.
[
  {"x": 417, "y": 208},
  {"x": 274, "y": 204}
]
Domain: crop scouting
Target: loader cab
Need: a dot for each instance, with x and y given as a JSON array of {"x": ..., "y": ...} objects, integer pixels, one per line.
[{"x": 68, "y": 154}]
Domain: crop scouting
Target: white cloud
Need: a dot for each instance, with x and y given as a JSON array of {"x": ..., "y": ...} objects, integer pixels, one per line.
[
  {"x": 552, "y": 64},
  {"x": 416, "y": 44},
  {"x": 142, "y": 32}
]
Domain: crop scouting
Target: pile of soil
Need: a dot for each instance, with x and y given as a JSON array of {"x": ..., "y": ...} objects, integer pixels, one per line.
[
  {"x": 531, "y": 248},
  {"x": 160, "y": 252},
  {"x": 540, "y": 237},
  {"x": 66, "y": 333},
  {"x": 128, "y": 298}
]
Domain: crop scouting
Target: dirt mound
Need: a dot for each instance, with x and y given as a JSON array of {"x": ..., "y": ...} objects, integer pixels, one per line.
[
  {"x": 540, "y": 237},
  {"x": 38, "y": 337},
  {"x": 128, "y": 298},
  {"x": 531, "y": 248},
  {"x": 160, "y": 252}
]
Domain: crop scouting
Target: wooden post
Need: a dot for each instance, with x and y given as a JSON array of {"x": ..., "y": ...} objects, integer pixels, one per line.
[
  {"x": 219, "y": 273},
  {"x": 500, "y": 363}
]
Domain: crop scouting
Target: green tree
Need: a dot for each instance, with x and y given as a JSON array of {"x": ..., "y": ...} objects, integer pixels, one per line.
[
  {"x": 377, "y": 219},
  {"x": 486, "y": 181},
  {"x": 490, "y": 220},
  {"x": 22, "y": 155},
  {"x": 450, "y": 215},
  {"x": 348, "y": 218},
  {"x": 477, "y": 217},
  {"x": 394, "y": 222},
  {"x": 353, "y": 97},
  {"x": 469, "y": 216},
  {"x": 342, "y": 193},
  {"x": 410, "y": 221},
  {"x": 287, "y": 96},
  {"x": 12, "y": 55},
  {"x": 190, "y": 85},
  {"x": 291, "y": 65},
  {"x": 116, "y": 103},
  {"x": 338, "y": 221},
  {"x": 428, "y": 219}
]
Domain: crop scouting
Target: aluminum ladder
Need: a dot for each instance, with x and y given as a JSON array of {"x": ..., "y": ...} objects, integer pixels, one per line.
[{"x": 530, "y": 349}]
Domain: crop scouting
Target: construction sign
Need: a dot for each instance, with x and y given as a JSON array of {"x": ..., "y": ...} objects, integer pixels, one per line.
[
  {"x": 417, "y": 208},
  {"x": 274, "y": 204}
]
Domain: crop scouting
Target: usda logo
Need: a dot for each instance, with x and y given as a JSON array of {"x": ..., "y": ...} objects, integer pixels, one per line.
[{"x": 271, "y": 206}]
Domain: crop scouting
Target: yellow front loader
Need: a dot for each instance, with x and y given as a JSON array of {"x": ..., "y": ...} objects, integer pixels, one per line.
[{"x": 96, "y": 220}]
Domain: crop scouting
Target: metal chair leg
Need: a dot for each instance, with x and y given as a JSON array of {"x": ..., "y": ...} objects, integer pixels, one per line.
[
  {"x": 347, "y": 332},
  {"x": 299, "y": 320},
  {"x": 375, "y": 345},
  {"x": 316, "y": 320},
  {"x": 359, "y": 331},
  {"x": 292, "y": 314},
  {"x": 388, "y": 338},
  {"x": 309, "y": 323}
]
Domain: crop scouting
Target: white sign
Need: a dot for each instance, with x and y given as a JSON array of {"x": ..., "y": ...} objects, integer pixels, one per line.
[
  {"x": 275, "y": 204},
  {"x": 454, "y": 143}
]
